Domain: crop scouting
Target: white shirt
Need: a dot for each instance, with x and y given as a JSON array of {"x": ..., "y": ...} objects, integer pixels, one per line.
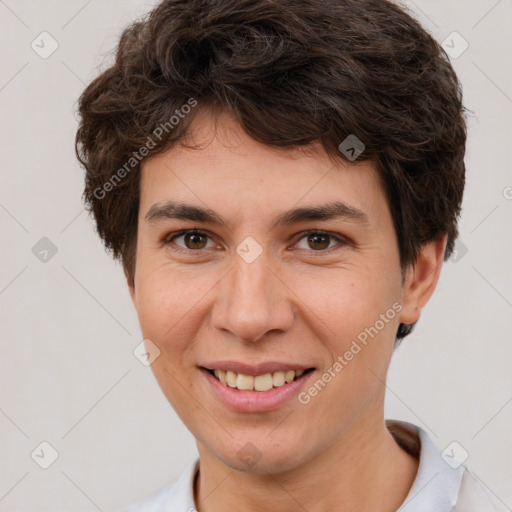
[{"x": 437, "y": 487}]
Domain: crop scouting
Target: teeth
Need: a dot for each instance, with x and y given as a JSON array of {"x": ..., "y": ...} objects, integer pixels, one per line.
[
  {"x": 289, "y": 376},
  {"x": 221, "y": 376},
  {"x": 278, "y": 379},
  {"x": 259, "y": 383},
  {"x": 263, "y": 382},
  {"x": 245, "y": 382},
  {"x": 231, "y": 379}
]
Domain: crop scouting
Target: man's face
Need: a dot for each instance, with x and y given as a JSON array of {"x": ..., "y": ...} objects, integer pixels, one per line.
[{"x": 262, "y": 293}]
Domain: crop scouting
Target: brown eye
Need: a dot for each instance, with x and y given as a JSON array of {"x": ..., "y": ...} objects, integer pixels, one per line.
[
  {"x": 318, "y": 241},
  {"x": 195, "y": 240},
  {"x": 192, "y": 240}
]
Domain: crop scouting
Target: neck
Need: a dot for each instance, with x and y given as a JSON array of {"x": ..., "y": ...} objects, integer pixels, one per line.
[{"x": 364, "y": 469}]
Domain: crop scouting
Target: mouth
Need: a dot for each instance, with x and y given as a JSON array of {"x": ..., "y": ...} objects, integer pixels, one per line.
[{"x": 257, "y": 383}]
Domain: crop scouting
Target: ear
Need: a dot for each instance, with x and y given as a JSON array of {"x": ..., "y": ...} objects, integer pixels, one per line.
[{"x": 421, "y": 280}]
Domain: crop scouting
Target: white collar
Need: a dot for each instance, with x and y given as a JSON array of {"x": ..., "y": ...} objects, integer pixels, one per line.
[{"x": 435, "y": 488}]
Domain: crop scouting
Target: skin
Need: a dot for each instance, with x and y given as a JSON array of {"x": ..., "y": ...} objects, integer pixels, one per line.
[{"x": 296, "y": 302}]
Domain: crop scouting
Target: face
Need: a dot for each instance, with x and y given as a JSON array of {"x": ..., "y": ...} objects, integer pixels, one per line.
[{"x": 255, "y": 265}]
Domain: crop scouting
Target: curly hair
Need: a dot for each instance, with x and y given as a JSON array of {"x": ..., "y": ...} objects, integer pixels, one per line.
[{"x": 292, "y": 73}]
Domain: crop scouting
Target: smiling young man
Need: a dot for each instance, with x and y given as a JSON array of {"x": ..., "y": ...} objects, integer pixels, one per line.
[{"x": 282, "y": 181}]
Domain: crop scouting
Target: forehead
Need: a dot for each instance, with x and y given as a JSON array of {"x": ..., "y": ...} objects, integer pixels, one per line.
[{"x": 221, "y": 166}]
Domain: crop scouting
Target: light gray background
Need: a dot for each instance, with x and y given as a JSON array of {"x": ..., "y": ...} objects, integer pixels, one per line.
[{"x": 68, "y": 375}]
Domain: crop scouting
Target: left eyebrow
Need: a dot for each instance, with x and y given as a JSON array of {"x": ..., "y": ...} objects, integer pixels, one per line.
[
  {"x": 323, "y": 212},
  {"x": 175, "y": 210}
]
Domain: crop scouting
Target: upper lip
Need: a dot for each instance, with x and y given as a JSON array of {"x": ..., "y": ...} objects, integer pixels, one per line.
[{"x": 254, "y": 369}]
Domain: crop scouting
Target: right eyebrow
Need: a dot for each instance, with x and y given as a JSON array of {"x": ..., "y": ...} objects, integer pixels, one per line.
[{"x": 174, "y": 210}]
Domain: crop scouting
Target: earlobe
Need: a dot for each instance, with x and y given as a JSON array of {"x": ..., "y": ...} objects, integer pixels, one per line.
[{"x": 421, "y": 280}]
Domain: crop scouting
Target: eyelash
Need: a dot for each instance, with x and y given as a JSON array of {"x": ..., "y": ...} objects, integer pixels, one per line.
[{"x": 167, "y": 240}]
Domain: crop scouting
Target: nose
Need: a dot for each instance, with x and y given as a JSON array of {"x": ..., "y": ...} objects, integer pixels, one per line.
[{"x": 252, "y": 301}]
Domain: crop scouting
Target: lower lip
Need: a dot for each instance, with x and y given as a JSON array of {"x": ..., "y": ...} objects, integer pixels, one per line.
[{"x": 256, "y": 401}]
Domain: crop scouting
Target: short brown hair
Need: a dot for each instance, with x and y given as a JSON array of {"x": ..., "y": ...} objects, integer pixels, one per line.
[{"x": 292, "y": 73}]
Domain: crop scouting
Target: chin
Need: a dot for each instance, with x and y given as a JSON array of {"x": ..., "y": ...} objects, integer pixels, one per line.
[{"x": 259, "y": 456}]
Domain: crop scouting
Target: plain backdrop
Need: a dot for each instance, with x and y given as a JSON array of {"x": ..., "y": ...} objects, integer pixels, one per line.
[{"x": 68, "y": 375}]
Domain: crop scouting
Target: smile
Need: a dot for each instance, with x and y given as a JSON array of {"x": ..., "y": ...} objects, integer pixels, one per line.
[
  {"x": 260, "y": 383},
  {"x": 255, "y": 388}
]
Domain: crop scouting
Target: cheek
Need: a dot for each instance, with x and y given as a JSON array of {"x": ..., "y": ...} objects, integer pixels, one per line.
[
  {"x": 171, "y": 305},
  {"x": 361, "y": 319},
  {"x": 346, "y": 304},
  {"x": 167, "y": 307},
  {"x": 163, "y": 301},
  {"x": 363, "y": 325}
]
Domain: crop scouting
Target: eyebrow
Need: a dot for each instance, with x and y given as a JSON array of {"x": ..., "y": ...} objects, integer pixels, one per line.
[{"x": 335, "y": 210}]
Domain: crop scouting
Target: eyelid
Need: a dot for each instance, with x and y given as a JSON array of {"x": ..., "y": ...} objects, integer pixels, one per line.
[{"x": 339, "y": 238}]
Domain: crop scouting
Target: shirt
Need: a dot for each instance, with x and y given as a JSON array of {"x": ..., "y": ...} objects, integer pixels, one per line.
[{"x": 441, "y": 484}]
